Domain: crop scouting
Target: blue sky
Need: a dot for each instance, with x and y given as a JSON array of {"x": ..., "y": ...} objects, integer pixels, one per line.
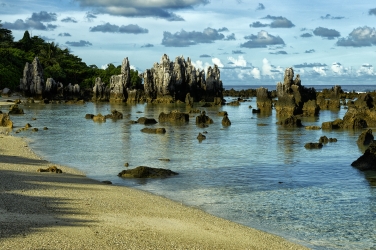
[{"x": 326, "y": 42}]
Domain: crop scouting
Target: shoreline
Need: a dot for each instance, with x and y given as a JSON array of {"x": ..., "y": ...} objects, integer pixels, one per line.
[{"x": 72, "y": 211}]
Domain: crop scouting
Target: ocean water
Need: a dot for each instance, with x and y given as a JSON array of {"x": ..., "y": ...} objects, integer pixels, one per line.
[{"x": 253, "y": 172}]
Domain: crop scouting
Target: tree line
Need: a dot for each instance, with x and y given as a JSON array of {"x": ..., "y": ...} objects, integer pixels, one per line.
[{"x": 58, "y": 63}]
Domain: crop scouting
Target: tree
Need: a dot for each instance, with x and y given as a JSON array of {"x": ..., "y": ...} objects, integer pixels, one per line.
[
  {"x": 6, "y": 37},
  {"x": 136, "y": 81}
]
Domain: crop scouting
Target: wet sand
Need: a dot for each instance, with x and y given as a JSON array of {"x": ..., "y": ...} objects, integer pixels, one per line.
[{"x": 71, "y": 211}]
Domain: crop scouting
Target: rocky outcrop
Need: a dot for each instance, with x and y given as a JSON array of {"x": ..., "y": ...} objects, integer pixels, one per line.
[
  {"x": 115, "y": 115},
  {"x": 203, "y": 119},
  {"x": 99, "y": 118},
  {"x": 226, "y": 121},
  {"x": 120, "y": 83},
  {"x": 368, "y": 160},
  {"x": 146, "y": 172},
  {"x": 170, "y": 81},
  {"x": 15, "y": 110},
  {"x": 146, "y": 121},
  {"x": 292, "y": 95},
  {"x": 201, "y": 137},
  {"x": 174, "y": 117},
  {"x": 264, "y": 99},
  {"x": 365, "y": 138},
  {"x": 291, "y": 121},
  {"x": 330, "y": 99},
  {"x": 32, "y": 84},
  {"x": 101, "y": 92},
  {"x": 5, "y": 121}
]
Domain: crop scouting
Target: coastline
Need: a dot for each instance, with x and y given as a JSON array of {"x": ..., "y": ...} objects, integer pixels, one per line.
[{"x": 71, "y": 211}]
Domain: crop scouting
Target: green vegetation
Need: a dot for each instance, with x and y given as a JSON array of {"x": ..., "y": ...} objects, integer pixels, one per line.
[{"x": 57, "y": 63}]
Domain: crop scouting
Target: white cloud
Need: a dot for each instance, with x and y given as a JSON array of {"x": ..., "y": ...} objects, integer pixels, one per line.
[
  {"x": 200, "y": 65},
  {"x": 320, "y": 70},
  {"x": 365, "y": 69},
  {"x": 240, "y": 62},
  {"x": 218, "y": 62},
  {"x": 337, "y": 68},
  {"x": 266, "y": 67},
  {"x": 256, "y": 73}
]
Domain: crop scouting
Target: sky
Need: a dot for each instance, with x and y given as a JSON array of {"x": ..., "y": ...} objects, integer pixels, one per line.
[{"x": 252, "y": 42}]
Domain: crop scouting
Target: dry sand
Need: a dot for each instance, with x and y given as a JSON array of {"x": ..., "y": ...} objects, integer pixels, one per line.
[{"x": 71, "y": 211}]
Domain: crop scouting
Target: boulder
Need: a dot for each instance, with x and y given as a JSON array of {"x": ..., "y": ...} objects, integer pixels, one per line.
[
  {"x": 6, "y": 92},
  {"x": 99, "y": 118},
  {"x": 5, "y": 121},
  {"x": 291, "y": 121},
  {"x": 368, "y": 160},
  {"x": 203, "y": 119},
  {"x": 154, "y": 130},
  {"x": 324, "y": 139},
  {"x": 146, "y": 172},
  {"x": 89, "y": 116},
  {"x": 15, "y": 110},
  {"x": 115, "y": 115},
  {"x": 174, "y": 117},
  {"x": 226, "y": 121},
  {"x": 336, "y": 124},
  {"x": 201, "y": 137},
  {"x": 313, "y": 145},
  {"x": 146, "y": 121},
  {"x": 365, "y": 138}
]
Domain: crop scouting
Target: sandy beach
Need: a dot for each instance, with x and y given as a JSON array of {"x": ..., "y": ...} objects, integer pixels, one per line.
[{"x": 71, "y": 211}]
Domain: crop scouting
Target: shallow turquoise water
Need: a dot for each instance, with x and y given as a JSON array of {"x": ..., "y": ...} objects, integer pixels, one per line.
[{"x": 253, "y": 172}]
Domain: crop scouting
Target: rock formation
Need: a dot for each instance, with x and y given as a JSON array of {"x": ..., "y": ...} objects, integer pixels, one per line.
[
  {"x": 32, "y": 83},
  {"x": 101, "y": 92},
  {"x": 291, "y": 121},
  {"x": 120, "y": 83},
  {"x": 226, "y": 121},
  {"x": 292, "y": 96},
  {"x": 146, "y": 121},
  {"x": 146, "y": 172},
  {"x": 330, "y": 99},
  {"x": 203, "y": 119},
  {"x": 368, "y": 160},
  {"x": 264, "y": 99},
  {"x": 170, "y": 81},
  {"x": 173, "y": 117},
  {"x": 5, "y": 121},
  {"x": 365, "y": 138}
]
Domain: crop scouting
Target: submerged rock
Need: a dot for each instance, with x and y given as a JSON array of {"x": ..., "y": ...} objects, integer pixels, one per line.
[
  {"x": 313, "y": 145},
  {"x": 146, "y": 172},
  {"x": 154, "y": 130}
]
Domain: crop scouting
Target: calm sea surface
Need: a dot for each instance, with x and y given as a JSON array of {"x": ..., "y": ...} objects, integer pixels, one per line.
[{"x": 253, "y": 172}]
